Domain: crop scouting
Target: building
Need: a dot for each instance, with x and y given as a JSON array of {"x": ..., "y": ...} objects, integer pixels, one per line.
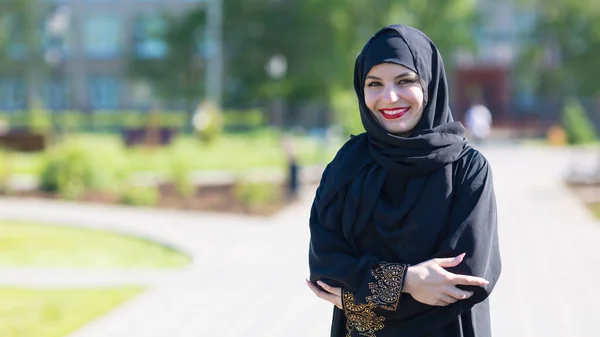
[
  {"x": 87, "y": 60},
  {"x": 501, "y": 36}
]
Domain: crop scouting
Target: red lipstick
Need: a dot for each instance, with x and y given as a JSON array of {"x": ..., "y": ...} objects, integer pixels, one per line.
[{"x": 393, "y": 113}]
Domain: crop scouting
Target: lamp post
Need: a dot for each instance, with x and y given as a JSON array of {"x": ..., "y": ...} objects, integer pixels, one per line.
[
  {"x": 276, "y": 68},
  {"x": 57, "y": 26},
  {"x": 214, "y": 37}
]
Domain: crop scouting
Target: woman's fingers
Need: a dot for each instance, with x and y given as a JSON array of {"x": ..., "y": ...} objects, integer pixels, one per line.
[
  {"x": 451, "y": 261},
  {"x": 315, "y": 289},
  {"x": 329, "y": 297},
  {"x": 458, "y": 293},
  {"x": 447, "y": 299},
  {"x": 468, "y": 280},
  {"x": 330, "y": 289}
]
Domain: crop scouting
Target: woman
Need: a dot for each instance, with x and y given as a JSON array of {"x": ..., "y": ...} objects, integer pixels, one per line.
[{"x": 403, "y": 226}]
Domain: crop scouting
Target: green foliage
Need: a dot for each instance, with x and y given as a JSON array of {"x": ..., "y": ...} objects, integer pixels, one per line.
[
  {"x": 5, "y": 171},
  {"x": 320, "y": 40},
  {"x": 181, "y": 168},
  {"x": 578, "y": 126},
  {"x": 133, "y": 119},
  {"x": 345, "y": 107},
  {"x": 256, "y": 194},
  {"x": 38, "y": 120},
  {"x": 114, "y": 120},
  {"x": 74, "y": 168},
  {"x": 20, "y": 26},
  {"x": 71, "y": 121},
  {"x": 140, "y": 195},
  {"x": 571, "y": 30},
  {"x": 179, "y": 120},
  {"x": 179, "y": 75},
  {"x": 249, "y": 119}
]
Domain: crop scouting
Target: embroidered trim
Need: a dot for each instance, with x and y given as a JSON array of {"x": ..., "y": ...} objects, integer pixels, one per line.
[
  {"x": 360, "y": 317},
  {"x": 386, "y": 290},
  {"x": 389, "y": 281}
]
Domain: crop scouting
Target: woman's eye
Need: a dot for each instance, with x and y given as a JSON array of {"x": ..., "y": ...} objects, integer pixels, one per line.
[
  {"x": 374, "y": 84},
  {"x": 406, "y": 81}
]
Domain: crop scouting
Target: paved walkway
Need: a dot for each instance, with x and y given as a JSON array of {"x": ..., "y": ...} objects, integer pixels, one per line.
[{"x": 247, "y": 278}]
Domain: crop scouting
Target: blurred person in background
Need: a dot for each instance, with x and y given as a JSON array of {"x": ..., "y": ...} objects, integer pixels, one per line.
[
  {"x": 292, "y": 167},
  {"x": 403, "y": 225},
  {"x": 478, "y": 121}
]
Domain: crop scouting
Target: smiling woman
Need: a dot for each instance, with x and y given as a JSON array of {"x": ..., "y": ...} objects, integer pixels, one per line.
[
  {"x": 403, "y": 225},
  {"x": 396, "y": 101}
]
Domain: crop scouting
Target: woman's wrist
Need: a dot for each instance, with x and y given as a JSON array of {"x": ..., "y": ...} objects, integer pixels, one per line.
[{"x": 409, "y": 279}]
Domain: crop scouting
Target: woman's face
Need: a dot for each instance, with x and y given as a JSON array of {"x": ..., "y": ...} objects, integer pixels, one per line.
[{"x": 394, "y": 95}]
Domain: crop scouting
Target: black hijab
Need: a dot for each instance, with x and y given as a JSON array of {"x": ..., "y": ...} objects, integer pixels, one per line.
[
  {"x": 436, "y": 140},
  {"x": 377, "y": 164}
]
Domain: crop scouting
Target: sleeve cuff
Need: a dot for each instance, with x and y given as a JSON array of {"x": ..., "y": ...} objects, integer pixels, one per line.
[{"x": 388, "y": 285}]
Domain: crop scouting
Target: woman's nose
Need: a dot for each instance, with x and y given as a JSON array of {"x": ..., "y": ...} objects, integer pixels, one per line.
[{"x": 390, "y": 95}]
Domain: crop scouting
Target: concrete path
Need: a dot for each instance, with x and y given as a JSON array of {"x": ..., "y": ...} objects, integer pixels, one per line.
[{"x": 248, "y": 274}]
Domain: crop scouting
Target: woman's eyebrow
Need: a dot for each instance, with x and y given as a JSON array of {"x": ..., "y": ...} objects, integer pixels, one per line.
[{"x": 406, "y": 74}]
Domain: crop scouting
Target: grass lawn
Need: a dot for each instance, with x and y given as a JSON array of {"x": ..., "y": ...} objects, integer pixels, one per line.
[
  {"x": 55, "y": 312},
  {"x": 237, "y": 152},
  {"x": 34, "y": 245}
]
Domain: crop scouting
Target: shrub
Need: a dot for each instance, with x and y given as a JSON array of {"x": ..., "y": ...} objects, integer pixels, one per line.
[
  {"x": 256, "y": 194},
  {"x": 244, "y": 120},
  {"x": 180, "y": 170},
  {"x": 5, "y": 171},
  {"x": 71, "y": 121},
  {"x": 179, "y": 120},
  {"x": 38, "y": 119},
  {"x": 577, "y": 124},
  {"x": 140, "y": 195},
  {"x": 72, "y": 169}
]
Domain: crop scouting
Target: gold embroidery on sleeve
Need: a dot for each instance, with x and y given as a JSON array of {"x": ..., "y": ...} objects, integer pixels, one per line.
[
  {"x": 386, "y": 290},
  {"x": 360, "y": 317}
]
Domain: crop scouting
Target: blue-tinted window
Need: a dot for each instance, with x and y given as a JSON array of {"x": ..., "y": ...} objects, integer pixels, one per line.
[
  {"x": 57, "y": 94},
  {"x": 149, "y": 32},
  {"x": 102, "y": 36},
  {"x": 103, "y": 92},
  {"x": 13, "y": 93}
]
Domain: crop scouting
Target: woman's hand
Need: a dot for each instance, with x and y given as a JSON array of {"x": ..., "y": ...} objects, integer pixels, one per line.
[
  {"x": 331, "y": 294},
  {"x": 429, "y": 283}
]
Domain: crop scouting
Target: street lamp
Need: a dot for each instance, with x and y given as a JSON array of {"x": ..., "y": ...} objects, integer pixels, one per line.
[
  {"x": 276, "y": 68},
  {"x": 57, "y": 26}
]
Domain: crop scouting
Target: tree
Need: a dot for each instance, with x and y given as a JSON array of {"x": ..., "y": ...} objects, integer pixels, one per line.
[
  {"x": 567, "y": 33},
  {"x": 177, "y": 77},
  {"x": 319, "y": 38},
  {"x": 22, "y": 42}
]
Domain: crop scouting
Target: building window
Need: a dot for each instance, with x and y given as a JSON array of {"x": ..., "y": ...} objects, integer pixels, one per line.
[
  {"x": 12, "y": 94},
  {"x": 57, "y": 95},
  {"x": 103, "y": 92},
  {"x": 101, "y": 35},
  {"x": 149, "y": 32}
]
